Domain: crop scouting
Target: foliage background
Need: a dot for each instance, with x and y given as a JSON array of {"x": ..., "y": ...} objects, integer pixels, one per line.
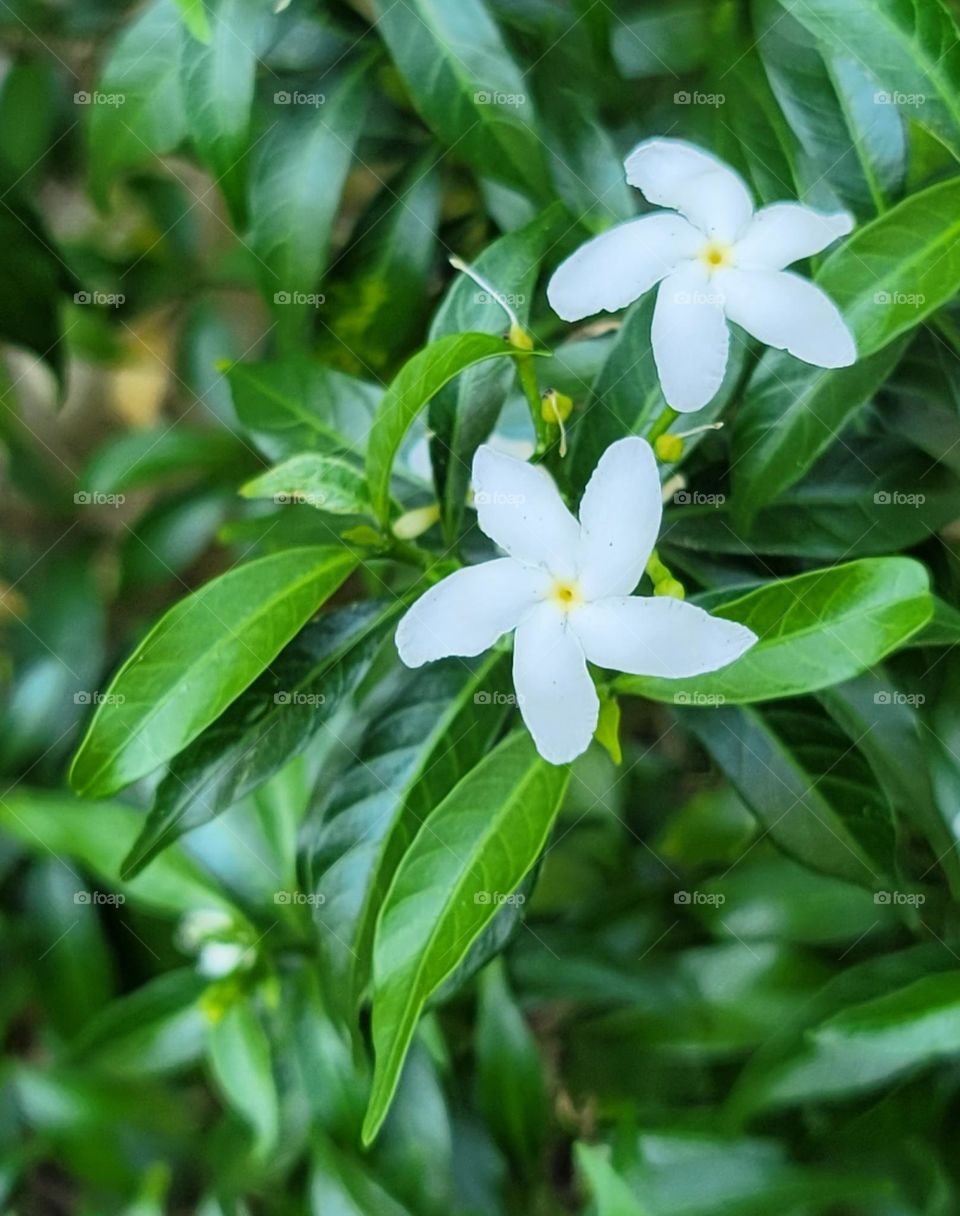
[{"x": 732, "y": 984}]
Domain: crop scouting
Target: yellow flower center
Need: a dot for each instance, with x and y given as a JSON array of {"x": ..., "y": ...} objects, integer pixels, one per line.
[
  {"x": 716, "y": 254},
  {"x": 567, "y": 594}
]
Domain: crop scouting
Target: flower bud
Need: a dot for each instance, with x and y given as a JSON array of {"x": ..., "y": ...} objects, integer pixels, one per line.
[
  {"x": 556, "y": 407},
  {"x": 517, "y": 336},
  {"x": 414, "y": 523},
  {"x": 669, "y": 448},
  {"x": 670, "y": 586}
]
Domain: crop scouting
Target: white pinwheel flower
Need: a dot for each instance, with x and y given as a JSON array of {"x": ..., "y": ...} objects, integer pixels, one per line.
[
  {"x": 565, "y": 588},
  {"x": 716, "y": 261}
]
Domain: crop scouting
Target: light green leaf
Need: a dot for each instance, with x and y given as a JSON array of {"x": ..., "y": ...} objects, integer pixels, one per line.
[
  {"x": 815, "y": 630},
  {"x": 471, "y": 853},
  {"x": 195, "y": 18},
  {"x": 197, "y": 659},
  {"x": 326, "y": 482},
  {"x": 413, "y": 386},
  {"x": 240, "y": 1059},
  {"x": 610, "y": 1193}
]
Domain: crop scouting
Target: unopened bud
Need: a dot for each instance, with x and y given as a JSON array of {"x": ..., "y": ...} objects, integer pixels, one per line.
[
  {"x": 556, "y": 407},
  {"x": 414, "y": 523},
  {"x": 517, "y": 336},
  {"x": 669, "y": 448},
  {"x": 670, "y": 587}
]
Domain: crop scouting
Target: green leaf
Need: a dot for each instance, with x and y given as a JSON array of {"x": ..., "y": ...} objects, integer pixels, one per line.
[
  {"x": 472, "y": 852},
  {"x": 413, "y": 386},
  {"x": 294, "y": 404},
  {"x": 510, "y": 1082},
  {"x": 151, "y": 456},
  {"x": 462, "y": 415},
  {"x": 240, "y": 1060},
  {"x": 98, "y": 836},
  {"x": 791, "y": 413},
  {"x": 467, "y": 87},
  {"x": 810, "y": 791},
  {"x": 269, "y": 723},
  {"x": 195, "y": 18},
  {"x": 326, "y": 482},
  {"x": 197, "y": 659},
  {"x": 815, "y": 630},
  {"x": 140, "y": 113},
  {"x": 890, "y": 275},
  {"x": 909, "y": 46},
  {"x": 217, "y": 78},
  {"x": 855, "y": 149},
  {"x": 611, "y": 1194},
  {"x": 296, "y": 180},
  {"x": 441, "y": 724}
]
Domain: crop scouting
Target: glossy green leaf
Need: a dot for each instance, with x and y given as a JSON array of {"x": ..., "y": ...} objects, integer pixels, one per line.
[
  {"x": 296, "y": 179},
  {"x": 197, "y": 659},
  {"x": 472, "y": 852},
  {"x": 441, "y": 724},
  {"x": 268, "y": 724},
  {"x": 814, "y": 630},
  {"x": 791, "y": 413},
  {"x": 294, "y": 404},
  {"x": 413, "y": 386},
  {"x": 149, "y": 457},
  {"x": 807, "y": 786},
  {"x": 466, "y": 86},
  {"x": 326, "y": 482},
  {"x": 909, "y": 46}
]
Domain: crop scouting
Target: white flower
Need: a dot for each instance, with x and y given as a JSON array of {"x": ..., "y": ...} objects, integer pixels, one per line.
[
  {"x": 565, "y": 588},
  {"x": 719, "y": 262}
]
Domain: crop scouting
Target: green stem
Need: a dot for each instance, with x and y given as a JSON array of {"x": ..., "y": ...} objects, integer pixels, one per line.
[
  {"x": 662, "y": 423},
  {"x": 527, "y": 375}
]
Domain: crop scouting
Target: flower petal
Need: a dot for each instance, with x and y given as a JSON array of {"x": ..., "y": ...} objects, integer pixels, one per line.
[
  {"x": 520, "y": 509},
  {"x": 788, "y": 312},
  {"x": 615, "y": 268},
  {"x": 784, "y": 232},
  {"x": 466, "y": 612},
  {"x": 674, "y": 173},
  {"x": 619, "y": 519},
  {"x": 690, "y": 338},
  {"x": 554, "y": 690},
  {"x": 658, "y": 637}
]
